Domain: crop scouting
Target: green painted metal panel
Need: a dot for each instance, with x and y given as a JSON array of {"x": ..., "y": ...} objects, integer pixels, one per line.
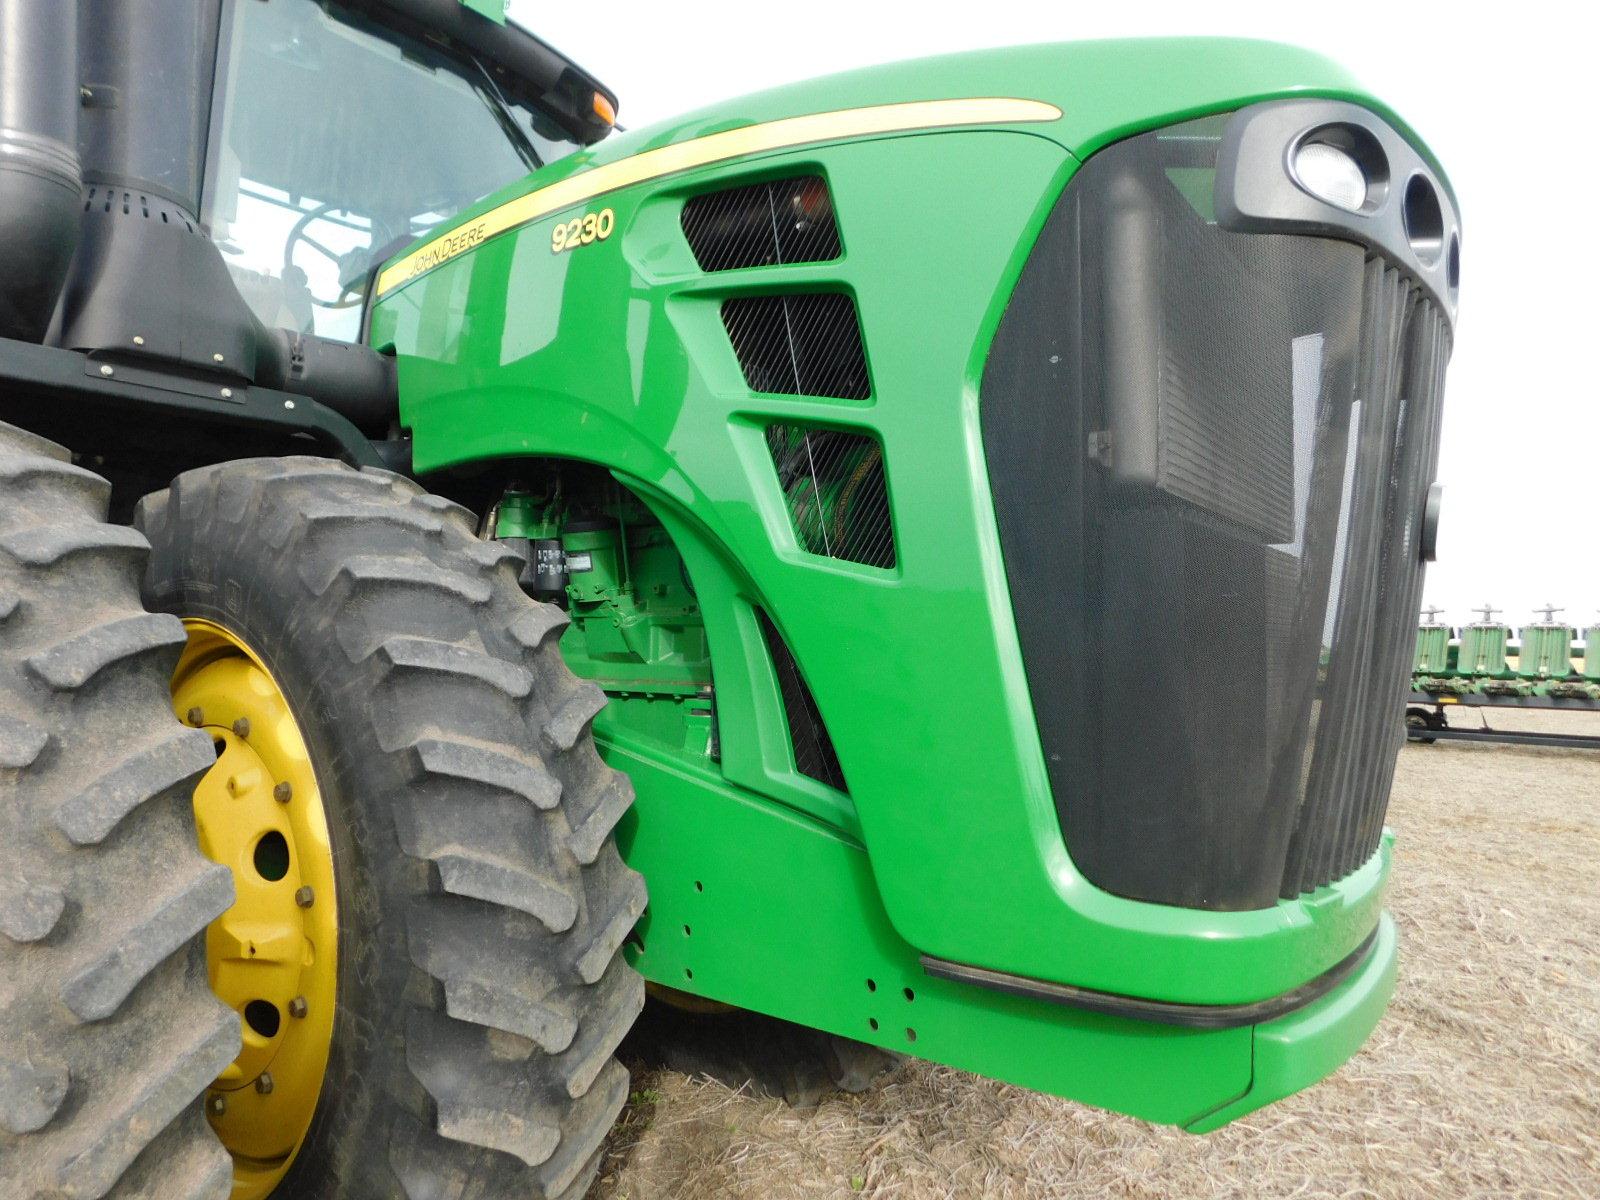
[
  {"x": 813, "y": 945},
  {"x": 500, "y": 353},
  {"x": 1296, "y": 1050},
  {"x": 947, "y": 842},
  {"x": 1107, "y": 90},
  {"x": 1591, "y": 652},
  {"x": 760, "y": 907}
]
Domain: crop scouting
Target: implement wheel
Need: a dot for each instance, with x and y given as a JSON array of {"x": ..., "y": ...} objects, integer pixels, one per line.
[
  {"x": 108, "y": 1030},
  {"x": 425, "y": 948},
  {"x": 1418, "y": 721}
]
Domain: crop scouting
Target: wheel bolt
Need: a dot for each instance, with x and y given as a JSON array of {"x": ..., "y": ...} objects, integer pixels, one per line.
[
  {"x": 305, "y": 897},
  {"x": 297, "y": 1007},
  {"x": 195, "y": 717},
  {"x": 283, "y": 792},
  {"x": 264, "y": 1083},
  {"x": 218, "y": 1105},
  {"x": 241, "y": 727}
]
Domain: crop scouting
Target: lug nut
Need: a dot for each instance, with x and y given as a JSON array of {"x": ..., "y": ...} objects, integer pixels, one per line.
[
  {"x": 264, "y": 1083},
  {"x": 297, "y": 1007},
  {"x": 305, "y": 897},
  {"x": 241, "y": 727},
  {"x": 195, "y": 717},
  {"x": 283, "y": 792},
  {"x": 218, "y": 1105}
]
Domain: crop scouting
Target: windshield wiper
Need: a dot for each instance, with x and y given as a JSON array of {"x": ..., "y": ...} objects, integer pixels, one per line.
[{"x": 498, "y": 105}]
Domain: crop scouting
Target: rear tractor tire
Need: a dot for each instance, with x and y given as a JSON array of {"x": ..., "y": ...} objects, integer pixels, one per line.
[
  {"x": 370, "y": 669},
  {"x": 109, "y": 1031}
]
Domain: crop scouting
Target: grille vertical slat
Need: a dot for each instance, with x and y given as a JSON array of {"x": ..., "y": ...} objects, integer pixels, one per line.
[
  {"x": 1405, "y": 346},
  {"x": 1424, "y": 386},
  {"x": 1343, "y": 748}
]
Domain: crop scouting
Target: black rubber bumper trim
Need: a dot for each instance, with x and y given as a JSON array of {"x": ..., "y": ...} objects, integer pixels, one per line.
[{"x": 1160, "y": 1012}]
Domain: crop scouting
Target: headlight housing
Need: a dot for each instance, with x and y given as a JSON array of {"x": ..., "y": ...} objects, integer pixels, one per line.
[{"x": 1331, "y": 174}]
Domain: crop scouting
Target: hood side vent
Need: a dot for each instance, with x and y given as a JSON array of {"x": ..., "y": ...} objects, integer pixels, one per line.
[
  {"x": 836, "y": 491},
  {"x": 773, "y": 223},
  {"x": 805, "y": 344}
]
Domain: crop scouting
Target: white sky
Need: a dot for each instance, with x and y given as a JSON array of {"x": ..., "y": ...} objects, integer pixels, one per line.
[{"x": 1504, "y": 99}]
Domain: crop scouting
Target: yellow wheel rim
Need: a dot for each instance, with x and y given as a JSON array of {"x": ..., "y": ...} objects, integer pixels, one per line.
[{"x": 273, "y": 956}]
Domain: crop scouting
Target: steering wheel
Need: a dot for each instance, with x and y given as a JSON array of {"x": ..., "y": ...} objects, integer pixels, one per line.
[{"x": 350, "y": 294}]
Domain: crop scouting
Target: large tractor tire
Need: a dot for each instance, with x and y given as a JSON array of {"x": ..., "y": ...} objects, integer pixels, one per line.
[
  {"x": 109, "y": 1032},
  {"x": 371, "y": 669}
]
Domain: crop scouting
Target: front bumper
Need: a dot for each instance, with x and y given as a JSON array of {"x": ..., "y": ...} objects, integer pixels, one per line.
[{"x": 1306, "y": 1045}]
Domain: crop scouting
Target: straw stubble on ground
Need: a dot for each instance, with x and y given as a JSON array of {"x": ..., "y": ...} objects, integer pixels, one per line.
[{"x": 1482, "y": 1080}]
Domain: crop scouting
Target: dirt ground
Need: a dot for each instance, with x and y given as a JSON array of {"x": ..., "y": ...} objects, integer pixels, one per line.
[{"x": 1482, "y": 1080}]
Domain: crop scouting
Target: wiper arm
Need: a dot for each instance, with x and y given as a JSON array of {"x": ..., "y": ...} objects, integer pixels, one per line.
[{"x": 495, "y": 99}]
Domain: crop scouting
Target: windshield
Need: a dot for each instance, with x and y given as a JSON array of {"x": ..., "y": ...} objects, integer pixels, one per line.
[{"x": 337, "y": 144}]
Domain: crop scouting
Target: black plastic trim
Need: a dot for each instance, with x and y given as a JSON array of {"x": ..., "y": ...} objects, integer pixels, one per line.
[
  {"x": 104, "y": 388},
  {"x": 1257, "y": 190},
  {"x": 522, "y": 62},
  {"x": 1158, "y": 1012}
]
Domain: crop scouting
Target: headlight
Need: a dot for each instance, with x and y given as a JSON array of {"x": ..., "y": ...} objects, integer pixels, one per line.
[{"x": 1331, "y": 174}]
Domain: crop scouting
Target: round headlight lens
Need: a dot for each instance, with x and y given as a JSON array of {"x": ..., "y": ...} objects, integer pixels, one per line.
[{"x": 1331, "y": 174}]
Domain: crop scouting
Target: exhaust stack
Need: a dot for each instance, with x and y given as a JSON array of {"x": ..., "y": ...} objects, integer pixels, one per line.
[{"x": 40, "y": 179}]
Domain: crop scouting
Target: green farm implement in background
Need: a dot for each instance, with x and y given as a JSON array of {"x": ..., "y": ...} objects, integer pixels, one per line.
[
  {"x": 927, "y": 554},
  {"x": 1544, "y": 667}
]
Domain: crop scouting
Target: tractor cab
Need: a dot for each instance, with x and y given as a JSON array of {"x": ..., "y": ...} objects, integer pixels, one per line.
[
  {"x": 337, "y": 139},
  {"x": 200, "y": 191}
]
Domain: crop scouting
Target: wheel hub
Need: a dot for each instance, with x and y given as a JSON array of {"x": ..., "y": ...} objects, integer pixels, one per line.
[{"x": 273, "y": 956}]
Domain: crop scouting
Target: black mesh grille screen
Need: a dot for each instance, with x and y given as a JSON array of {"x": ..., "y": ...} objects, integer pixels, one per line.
[
  {"x": 834, "y": 487},
  {"x": 762, "y": 225},
  {"x": 1209, "y": 453},
  {"x": 799, "y": 345},
  {"x": 813, "y": 749}
]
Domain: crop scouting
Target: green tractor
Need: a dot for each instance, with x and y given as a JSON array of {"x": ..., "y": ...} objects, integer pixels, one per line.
[{"x": 951, "y": 531}]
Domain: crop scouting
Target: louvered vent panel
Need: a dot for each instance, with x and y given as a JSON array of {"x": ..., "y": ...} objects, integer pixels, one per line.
[
  {"x": 799, "y": 345},
  {"x": 814, "y": 755},
  {"x": 836, "y": 491},
  {"x": 765, "y": 224}
]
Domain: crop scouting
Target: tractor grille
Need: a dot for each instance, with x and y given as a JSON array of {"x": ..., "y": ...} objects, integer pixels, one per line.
[
  {"x": 1353, "y": 736},
  {"x": 1209, "y": 453},
  {"x": 804, "y": 344},
  {"x": 764, "y": 224},
  {"x": 836, "y": 493},
  {"x": 814, "y": 755}
]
